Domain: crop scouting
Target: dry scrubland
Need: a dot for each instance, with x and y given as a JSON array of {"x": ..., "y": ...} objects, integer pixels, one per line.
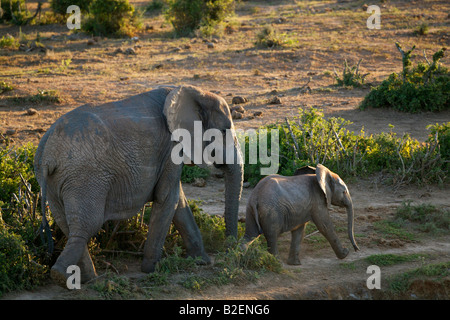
[{"x": 319, "y": 36}]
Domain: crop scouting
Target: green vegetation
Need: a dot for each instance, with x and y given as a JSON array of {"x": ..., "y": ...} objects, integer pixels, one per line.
[
  {"x": 60, "y": 6},
  {"x": 42, "y": 96},
  {"x": 186, "y": 16},
  {"x": 427, "y": 217},
  {"x": 112, "y": 17},
  {"x": 425, "y": 87},
  {"x": 310, "y": 138},
  {"x": 399, "y": 284},
  {"x": 9, "y": 41},
  {"x": 351, "y": 76},
  {"x": 269, "y": 37},
  {"x": 5, "y": 87},
  {"x": 15, "y": 11},
  {"x": 382, "y": 260},
  {"x": 22, "y": 256}
]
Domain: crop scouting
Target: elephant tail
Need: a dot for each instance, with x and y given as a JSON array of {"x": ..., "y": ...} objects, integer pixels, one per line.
[
  {"x": 252, "y": 225},
  {"x": 44, "y": 230}
]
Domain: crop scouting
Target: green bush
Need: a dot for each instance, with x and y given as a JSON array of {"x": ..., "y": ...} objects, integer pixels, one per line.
[
  {"x": 187, "y": 16},
  {"x": 19, "y": 14},
  {"x": 112, "y": 17},
  {"x": 18, "y": 267},
  {"x": 269, "y": 37},
  {"x": 425, "y": 87},
  {"x": 310, "y": 139},
  {"x": 60, "y": 6},
  {"x": 350, "y": 76}
]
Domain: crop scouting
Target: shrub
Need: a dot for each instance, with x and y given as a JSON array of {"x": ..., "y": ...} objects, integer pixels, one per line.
[
  {"x": 426, "y": 87},
  {"x": 350, "y": 76},
  {"x": 310, "y": 139},
  {"x": 5, "y": 86},
  {"x": 18, "y": 268},
  {"x": 188, "y": 15},
  {"x": 112, "y": 17},
  {"x": 8, "y": 41},
  {"x": 60, "y": 6},
  {"x": 269, "y": 37},
  {"x": 19, "y": 14}
]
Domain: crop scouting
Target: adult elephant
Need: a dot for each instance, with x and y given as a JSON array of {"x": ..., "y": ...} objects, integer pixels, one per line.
[{"x": 100, "y": 163}]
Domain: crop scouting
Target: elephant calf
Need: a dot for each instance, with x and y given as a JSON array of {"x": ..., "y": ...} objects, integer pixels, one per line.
[{"x": 279, "y": 204}]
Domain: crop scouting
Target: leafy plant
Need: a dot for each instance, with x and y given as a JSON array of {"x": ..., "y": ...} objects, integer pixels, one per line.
[
  {"x": 350, "y": 75},
  {"x": 9, "y": 41},
  {"x": 112, "y": 17},
  {"x": 269, "y": 37},
  {"x": 188, "y": 15},
  {"x": 15, "y": 11},
  {"x": 60, "y": 6},
  {"x": 5, "y": 87},
  {"x": 425, "y": 87},
  {"x": 310, "y": 139}
]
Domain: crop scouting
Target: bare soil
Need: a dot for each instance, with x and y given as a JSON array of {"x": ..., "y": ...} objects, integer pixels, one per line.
[{"x": 322, "y": 35}]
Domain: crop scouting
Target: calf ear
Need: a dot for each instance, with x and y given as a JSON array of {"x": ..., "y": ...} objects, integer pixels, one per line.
[
  {"x": 324, "y": 178},
  {"x": 305, "y": 170}
]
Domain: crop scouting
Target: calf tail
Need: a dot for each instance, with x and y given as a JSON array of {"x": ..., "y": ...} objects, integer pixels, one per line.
[{"x": 252, "y": 227}]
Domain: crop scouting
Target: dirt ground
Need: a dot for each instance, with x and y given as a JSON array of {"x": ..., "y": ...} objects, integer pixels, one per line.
[{"x": 321, "y": 35}]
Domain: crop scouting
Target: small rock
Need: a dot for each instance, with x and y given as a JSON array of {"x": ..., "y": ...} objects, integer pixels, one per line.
[
  {"x": 187, "y": 46},
  {"x": 199, "y": 182},
  {"x": 91, "y": 42},
  {"x": 135, "y": 39},
  {"x": 31, "y": 111},
  {"x": 246, "y": 184},
  {"x": 275, "y": 100},
  {"x": 215, "y": 40},
  {"x": 236, "y": 115},
  {"x": 130, "y": 51},
  {"x": 118, "y": 50},
  {"x": 258, "y": 114},
  {"x": 239, "y": 100},
  {"x": 210, "y": 45},
  {"x": 176, "y": 49},
  {"x": 238, "y": 109},
  {"x": 124, "y": 78}
]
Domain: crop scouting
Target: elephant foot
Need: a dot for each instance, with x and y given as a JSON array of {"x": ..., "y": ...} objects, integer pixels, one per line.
[
  {"x": 59, "y": 275},
  {"x": 343, "y": 254},
  {"x": 148, "y": 265},
  {"x": 294, "y": 261}
]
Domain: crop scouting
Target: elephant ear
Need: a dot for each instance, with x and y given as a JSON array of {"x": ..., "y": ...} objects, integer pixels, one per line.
[
  {"x": 181, "y": 108},
  {"x": 323, "y": 175}
]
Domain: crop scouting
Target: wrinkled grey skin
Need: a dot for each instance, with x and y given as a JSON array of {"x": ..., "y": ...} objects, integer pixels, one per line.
[
  {"x": 100, "y": 163},
  {"x": 279, "y": 204}
]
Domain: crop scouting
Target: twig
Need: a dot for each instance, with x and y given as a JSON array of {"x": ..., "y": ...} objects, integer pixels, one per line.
[
  {"x": 311, "y": 234},
  {"x": 293, "y": 137}
]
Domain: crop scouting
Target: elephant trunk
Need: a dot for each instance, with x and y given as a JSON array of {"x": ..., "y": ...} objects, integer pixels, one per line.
[
  {"x": 234, "y": 173},
  {"x": 350, "y": 217}
]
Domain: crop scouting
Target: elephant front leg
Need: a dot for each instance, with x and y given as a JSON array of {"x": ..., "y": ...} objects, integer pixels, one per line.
[
  {"x": 166, "y": 197},
  {"x": 185, "y": 224},
  {"x": 326, "y": 227},
  {"x": 296, "y": 240}
]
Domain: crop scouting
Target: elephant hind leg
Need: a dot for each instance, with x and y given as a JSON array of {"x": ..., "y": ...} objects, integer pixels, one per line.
[
  {"x": 82, "y": 221},
  {"x": 296, "y": 241}
]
